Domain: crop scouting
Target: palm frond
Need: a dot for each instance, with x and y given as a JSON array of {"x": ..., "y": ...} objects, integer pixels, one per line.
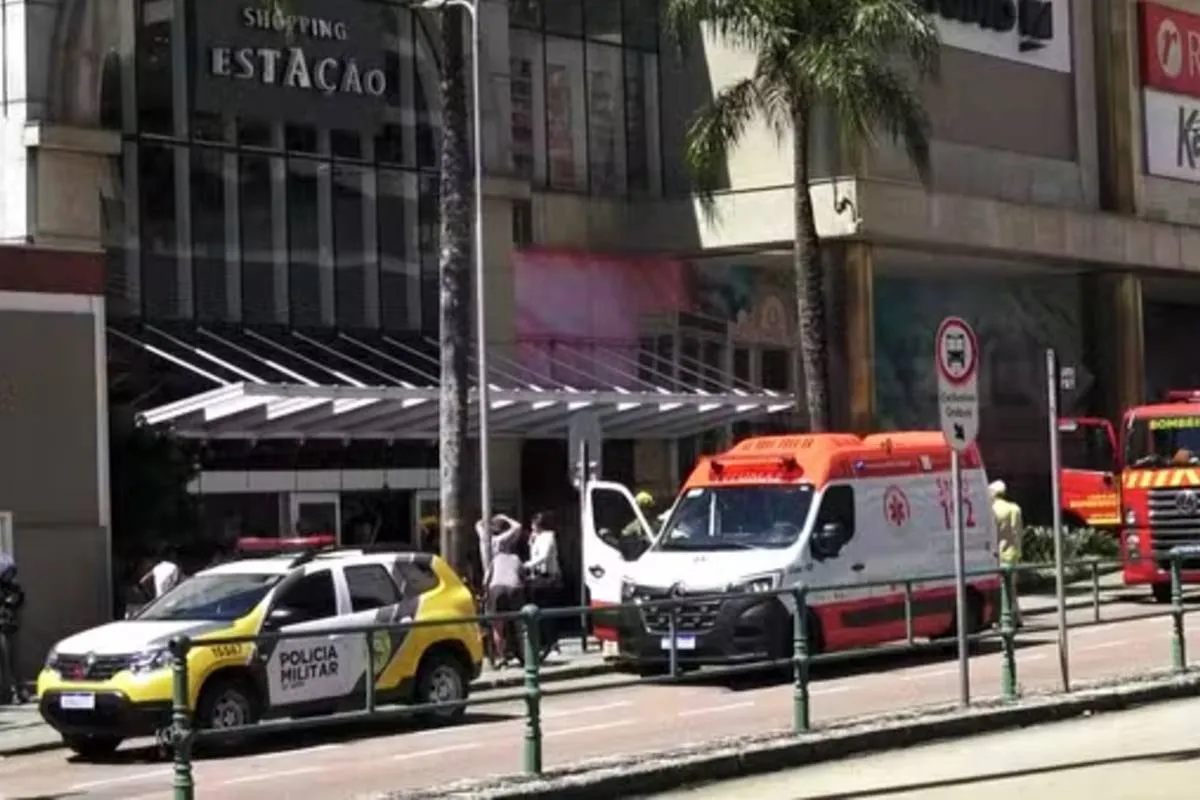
[
  {"x": 713, "y": 132},
  {"x": 899, "y": 27},
  {"x": 743, "y": 23}
]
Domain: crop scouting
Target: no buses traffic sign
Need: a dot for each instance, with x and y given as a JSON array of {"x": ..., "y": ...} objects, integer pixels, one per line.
[{"x": 956, "y": 354}]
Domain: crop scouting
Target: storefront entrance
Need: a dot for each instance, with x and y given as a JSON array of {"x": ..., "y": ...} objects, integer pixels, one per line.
[{"x": 315, "y": 513}]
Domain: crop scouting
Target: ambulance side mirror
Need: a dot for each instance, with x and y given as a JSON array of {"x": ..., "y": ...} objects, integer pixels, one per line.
[{"x": 827, "y": 541}]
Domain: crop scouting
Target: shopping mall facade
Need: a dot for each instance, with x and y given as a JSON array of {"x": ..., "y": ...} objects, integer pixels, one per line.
[{"x": 225, "y": 222}]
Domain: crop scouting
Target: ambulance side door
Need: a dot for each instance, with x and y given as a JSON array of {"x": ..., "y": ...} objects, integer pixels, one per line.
[
  {"x": 311, "y": 667},
  {"x": 838, "y": 564}
]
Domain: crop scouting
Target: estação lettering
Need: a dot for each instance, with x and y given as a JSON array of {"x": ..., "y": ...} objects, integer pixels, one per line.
[
  {"x": 292, "y": 68},
  {"x": 297, "y": 667}
]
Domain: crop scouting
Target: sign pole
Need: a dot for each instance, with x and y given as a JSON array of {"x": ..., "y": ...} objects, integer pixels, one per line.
[
  {"x": 956, "y": 356},
  {"x": 1060, "y": 584},
  {"x": 960, "y": 582}
]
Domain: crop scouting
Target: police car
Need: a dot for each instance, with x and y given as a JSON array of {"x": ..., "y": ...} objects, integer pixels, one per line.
[{"x": 114, "y": 682}]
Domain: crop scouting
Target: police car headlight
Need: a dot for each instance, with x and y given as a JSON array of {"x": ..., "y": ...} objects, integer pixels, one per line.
[
  {"x": 758, "y": 584},
  {"x": 52, "y": 659},
  {"x": 150, "y": 661}
]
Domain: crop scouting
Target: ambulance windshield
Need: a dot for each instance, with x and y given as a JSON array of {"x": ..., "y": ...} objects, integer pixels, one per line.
[
  {"x": 737, "y": 518},
  {"x": 1163, "y": 442},
  {"x": 218, "y": 598}
]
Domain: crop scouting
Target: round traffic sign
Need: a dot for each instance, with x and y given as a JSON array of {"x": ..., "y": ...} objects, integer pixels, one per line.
[{"x": 957, "y": 351}]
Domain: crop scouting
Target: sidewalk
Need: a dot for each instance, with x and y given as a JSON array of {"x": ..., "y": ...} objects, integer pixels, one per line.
[{"x": 22, "y": 730}]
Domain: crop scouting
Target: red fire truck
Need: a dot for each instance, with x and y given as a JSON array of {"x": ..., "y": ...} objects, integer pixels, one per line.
[
  {"x": 1160, "y": 490},
  {"x": 1087, "y": 477}
]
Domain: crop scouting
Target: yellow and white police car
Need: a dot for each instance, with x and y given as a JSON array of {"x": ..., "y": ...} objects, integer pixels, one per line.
[{"x": 112, "y": 683}]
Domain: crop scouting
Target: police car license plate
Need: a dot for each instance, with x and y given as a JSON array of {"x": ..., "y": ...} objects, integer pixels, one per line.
[
  {"x": 78, "y": 702},
  {"x": 681, "y": 643}
]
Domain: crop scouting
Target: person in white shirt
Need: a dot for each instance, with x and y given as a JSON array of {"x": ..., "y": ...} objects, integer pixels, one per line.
[
  {"x": 543, "y": 551},
  {"x": 161, "y": 578}
]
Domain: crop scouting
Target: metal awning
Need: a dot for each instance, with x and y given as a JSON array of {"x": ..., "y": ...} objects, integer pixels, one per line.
[{"x": 292, "y": 385}]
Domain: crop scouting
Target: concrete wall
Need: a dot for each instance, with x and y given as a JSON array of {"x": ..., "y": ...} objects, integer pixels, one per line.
[{"x": 54, "y": 478}]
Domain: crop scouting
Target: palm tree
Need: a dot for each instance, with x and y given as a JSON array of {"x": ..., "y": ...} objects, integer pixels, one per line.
[
  {"x": 454, "y": 277},
  {"x": 860, "y": 60}
]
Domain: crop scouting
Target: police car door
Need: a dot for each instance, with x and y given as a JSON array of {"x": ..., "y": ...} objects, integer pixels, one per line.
[{"x": 310, "y": 667}]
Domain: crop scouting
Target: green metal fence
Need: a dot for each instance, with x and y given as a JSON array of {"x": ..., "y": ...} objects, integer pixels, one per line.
[{"x": 184, "y": 736}]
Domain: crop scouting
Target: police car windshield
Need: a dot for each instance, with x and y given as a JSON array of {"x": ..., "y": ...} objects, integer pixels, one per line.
[
  {"x": 1160, "y": 442},
  {"x": 220, "y": 598},
  {"x": 737, "y": 518}
]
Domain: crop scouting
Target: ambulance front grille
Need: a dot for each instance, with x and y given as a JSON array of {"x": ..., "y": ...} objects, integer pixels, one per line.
[{"x": 690, "y": 617}]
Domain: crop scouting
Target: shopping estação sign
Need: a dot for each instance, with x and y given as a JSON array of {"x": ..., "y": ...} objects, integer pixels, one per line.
[
  {"x": 301, "y": 61},
  {"x": 1032, "y": 32}
]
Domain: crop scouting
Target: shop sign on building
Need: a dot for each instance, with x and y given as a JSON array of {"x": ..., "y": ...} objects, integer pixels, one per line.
[
  {"x": 1032, "y": 32},
  {"x": 304, "y": 61},
  {"x": 1170, "y": 50},
  {"x": 1172, "y": 135}
]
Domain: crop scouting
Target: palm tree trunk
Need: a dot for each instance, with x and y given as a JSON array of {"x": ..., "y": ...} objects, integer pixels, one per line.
[
  {"x": 810, "y": 287},
  {"x": 454, "y": 281}
]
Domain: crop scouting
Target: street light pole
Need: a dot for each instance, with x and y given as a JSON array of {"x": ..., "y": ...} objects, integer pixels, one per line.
[{"x": 483, "y": 390}]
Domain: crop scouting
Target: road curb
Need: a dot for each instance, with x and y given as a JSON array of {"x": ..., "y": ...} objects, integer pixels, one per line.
[
  {"x": 645, "y": 774},
  {"x": 564, "y": 673},
  {"x": 484, "y": 684}
]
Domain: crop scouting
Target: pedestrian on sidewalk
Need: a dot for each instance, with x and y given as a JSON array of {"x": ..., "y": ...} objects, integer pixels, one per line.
[
  {"x": 12, "y": 600},
  {"x": 542, "y": 570},
  {"x": 1010, "y": 527},
  {"x": 504, "y": 593}
]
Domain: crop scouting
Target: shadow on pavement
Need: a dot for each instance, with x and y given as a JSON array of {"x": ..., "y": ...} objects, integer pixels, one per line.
[
  {"x": 858, "y": 794},
  {"x": 862, "y": 665},
  {"x": 282, "y": 741}
]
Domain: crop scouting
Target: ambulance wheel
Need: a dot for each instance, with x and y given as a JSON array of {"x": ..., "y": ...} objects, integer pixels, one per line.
[
  {"x": 442, "y": 678},
  {"x": 1161, "y": 592},
  {"x": 92, "y": 748},
  {"x": 975, "y": 610},
  {"x": 813, "y": 634},
  {"x": 227, "y": 702}
]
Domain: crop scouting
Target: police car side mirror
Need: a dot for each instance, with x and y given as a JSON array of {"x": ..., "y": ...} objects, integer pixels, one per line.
[{"x": 280, "y": 616}]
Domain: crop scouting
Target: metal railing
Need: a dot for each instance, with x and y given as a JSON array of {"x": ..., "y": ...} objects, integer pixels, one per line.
[{"x": 183, "y": 735}]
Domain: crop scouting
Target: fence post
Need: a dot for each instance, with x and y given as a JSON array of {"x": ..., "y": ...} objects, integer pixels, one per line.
[
  {"x": 908, "y": 613},
  {"x": 800, "y": 713},
  {"x": 181, "y": 721},
  {"x": 533, "y": 692},
  {"x": 1008, "y": 669},
  {"x": 1178, "y": 643},
  {"x": 672, "y": 631},
  {"x": 370, "y": 676},
  {"x": 1095, "y": 589}
]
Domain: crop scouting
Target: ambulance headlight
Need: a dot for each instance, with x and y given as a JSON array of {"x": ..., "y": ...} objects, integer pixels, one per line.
[
  {"x": 150, "y": 661},
  {"x": 628, "y": 589},
  {"x": 757, "y": 584},
  {"x": 1130, "y": 517}
]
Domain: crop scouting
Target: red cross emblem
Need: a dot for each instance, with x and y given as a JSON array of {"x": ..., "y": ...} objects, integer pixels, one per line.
[{"x": 895, "y": 506}]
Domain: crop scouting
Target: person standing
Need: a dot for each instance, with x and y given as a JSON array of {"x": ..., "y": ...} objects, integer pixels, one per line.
[
  {"x": 504, "y": 593},
  {"x": 162, "y": 576},
  {"x": 496, "y": 534},
  {"x": 12, "y": 600},
  {"x": 543, "y": 570},
  {"x": 1010, "y": 527}
]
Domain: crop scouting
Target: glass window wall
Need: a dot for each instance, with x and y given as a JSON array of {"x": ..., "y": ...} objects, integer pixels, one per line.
[
  {"x": 269, "y": 218},
  {"x": 585, "y": 101}
]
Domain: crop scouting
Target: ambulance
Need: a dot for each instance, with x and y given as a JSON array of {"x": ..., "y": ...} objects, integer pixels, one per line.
[{"x": 850, "y": 518}]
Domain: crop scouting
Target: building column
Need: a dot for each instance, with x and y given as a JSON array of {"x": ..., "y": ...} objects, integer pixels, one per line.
[
  {"x": 859, "y": 347},
  {"x": 1115, "y": 328},
  {"x": 1115, "y": 31}
]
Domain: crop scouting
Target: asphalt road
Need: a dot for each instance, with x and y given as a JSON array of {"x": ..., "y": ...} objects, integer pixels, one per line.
[
  {"x": 599, "y": 722},
  {"x": 1145, "y": 754}
]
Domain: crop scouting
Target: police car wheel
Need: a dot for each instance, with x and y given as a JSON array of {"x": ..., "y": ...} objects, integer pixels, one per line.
[
  {"x": 442, "y": 679},
  {"x": 92, "y": 747},
  {"x": 226, "y": 704}
]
